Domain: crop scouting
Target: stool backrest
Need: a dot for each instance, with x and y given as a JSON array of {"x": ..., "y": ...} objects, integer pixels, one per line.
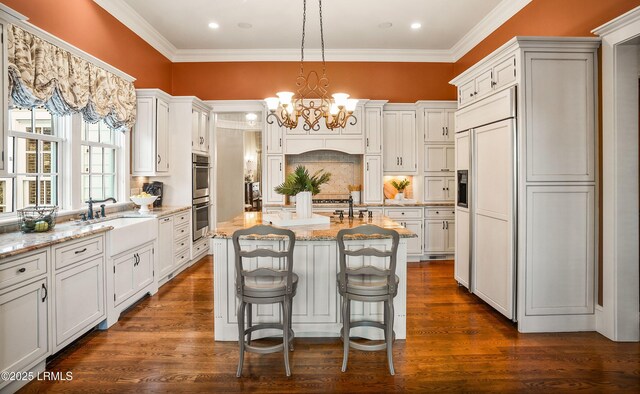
[
  {"x": 368, "y": 230},
  {"x": 287, "y": 254}
]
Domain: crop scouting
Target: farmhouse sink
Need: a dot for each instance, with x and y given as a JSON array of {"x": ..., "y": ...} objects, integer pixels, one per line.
[{"x": 128, "y": 233}]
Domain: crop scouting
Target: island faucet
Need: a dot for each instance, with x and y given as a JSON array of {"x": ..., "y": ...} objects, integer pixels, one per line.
[
  {"x": 350, "y": 207},
  {"x": 90, "y": 201}
]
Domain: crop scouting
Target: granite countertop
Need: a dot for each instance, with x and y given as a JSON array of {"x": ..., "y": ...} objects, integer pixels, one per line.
[
  {"x": 325, "y": 232},
  {"x": 415, "y": 204},
  {"x": 16, "y": 242}
]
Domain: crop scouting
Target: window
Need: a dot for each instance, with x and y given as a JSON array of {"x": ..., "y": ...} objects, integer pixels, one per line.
[
  {"x": 33, "y": 160},
  {"x": 100, "y": 148}
]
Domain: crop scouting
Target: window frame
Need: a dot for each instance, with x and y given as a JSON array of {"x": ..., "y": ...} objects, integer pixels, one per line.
[{"x": 117, "y": 153}]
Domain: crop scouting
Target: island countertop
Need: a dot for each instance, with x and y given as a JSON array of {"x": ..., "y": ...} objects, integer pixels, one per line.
[{"x": 324, "y": 232}]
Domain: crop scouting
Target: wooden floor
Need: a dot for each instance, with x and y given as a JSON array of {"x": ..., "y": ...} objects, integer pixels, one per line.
[{"x": 454, "y": 342}]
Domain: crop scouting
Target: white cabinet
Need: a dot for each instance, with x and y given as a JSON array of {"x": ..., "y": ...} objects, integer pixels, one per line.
[
  {"x": 399, "y": 136},
  {"x": 439, "y": 189},
  {"x": 165, "y": 246},
  {"x": 273, "y": 138},
  {"x": 498, "y": 75},
  {"x": 439, "y": 158},
  {"x": 373, "y": 189},
  {"x": 410, "y": 218},
  {"x": 200, "y": 130},
  {"x": 439, "y": 236},
  {"x": 373, "y": 131},
  {"x": 79, "y": 300},
  {"x": 133, "y": 271},
  {"x": 439, "y": 125},
  {"x": 24, "y": 338},
  {"x": 151, "y": 153},
  {"x": 274, "y": 176}
]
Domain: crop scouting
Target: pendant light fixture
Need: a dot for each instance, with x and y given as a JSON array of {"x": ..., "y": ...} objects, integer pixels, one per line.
[{"x": 310, "y": 100}]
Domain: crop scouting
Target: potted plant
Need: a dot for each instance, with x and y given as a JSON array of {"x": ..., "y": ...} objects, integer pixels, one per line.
[
  {"x": 400, "y": 186},
  {"x": 302, "y": 185}
]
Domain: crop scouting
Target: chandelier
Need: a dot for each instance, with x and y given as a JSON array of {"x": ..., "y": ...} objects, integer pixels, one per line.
[{"x": 310, "y": 100}]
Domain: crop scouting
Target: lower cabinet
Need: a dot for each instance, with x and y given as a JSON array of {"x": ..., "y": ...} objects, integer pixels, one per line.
[
  {"x": 410, "y": 218},
  {"x": 439, "y": 236},
  {"x": 24, "y": 317},
  {"x": 133, "y": 271},
  {"x": 165, "y": 246},
  {"x": 373, "y": 188},
  {"x": 174, "y": 243}
]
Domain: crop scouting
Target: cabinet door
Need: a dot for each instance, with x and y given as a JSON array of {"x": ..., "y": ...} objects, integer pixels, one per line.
[
  {"x": 435, "y": 236},
  {"x": 373, "y": 179},
  {"x": 23, "y": 343},
  {"x": 124, "y": 278},
  {"x": 435, "y": 158},
  {"x": 466, "y": 93},
  {"x": 162, "y": 136},
  {"x": 504, "y": 73},
  {"x": 275, "y": 176},
  {"x": 204, "y": 132},
  {"x": 409, "y": 149},
  {"x": 79, "y": 300},
  {"x": 273, "y": 138},
  {"x": 373, "y": 128},
  {"x": 484, "y": 83},
  {"x": 143, "y": 272},
  {"x": 165, "y": 246},
  {"x": 450, "y": 126},
  {"x": 434, "y": 189},
  {"x": 144, "y": 157},
  {"x": 392, "y": 141},
  {"x": 434, "y": 125},
  {"x": 195, "y": 130},
  {"x": 414, "y": 245},
  {"x": 450, "y": 236},
  {"x": 450, "y": 186}
]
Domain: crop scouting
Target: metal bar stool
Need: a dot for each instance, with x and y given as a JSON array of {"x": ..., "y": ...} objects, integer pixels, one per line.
[
  {"x": 265, "y": 285},
  {"x": 368, "y": 284}
]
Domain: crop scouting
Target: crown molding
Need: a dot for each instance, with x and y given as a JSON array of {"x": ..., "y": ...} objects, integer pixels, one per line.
[
  {"x": 618, "y": 23},
  {"x": 293, "y": 55},
  {"x": 136, "y": 23},
  {"x": 130, "y": 18},
  {"x": 494, "y": 19}
]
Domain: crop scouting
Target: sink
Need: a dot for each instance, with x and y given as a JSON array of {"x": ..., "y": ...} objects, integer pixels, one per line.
[{"x": 128, "y": 233}]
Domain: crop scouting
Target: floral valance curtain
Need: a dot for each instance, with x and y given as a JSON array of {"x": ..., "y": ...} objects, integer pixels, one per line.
[{"x": 42, "y": 74}]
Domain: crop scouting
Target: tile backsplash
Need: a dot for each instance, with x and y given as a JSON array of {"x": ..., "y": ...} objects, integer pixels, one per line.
[{"x": 345, "y": 170}]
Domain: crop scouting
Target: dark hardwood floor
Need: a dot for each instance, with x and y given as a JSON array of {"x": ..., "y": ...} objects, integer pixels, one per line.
[{"x": 454, "y": 343}]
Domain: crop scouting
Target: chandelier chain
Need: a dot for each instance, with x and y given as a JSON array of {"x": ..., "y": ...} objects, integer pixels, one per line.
[
  {"x": 304, "y": 23},
  {"x": 321, "y": 36}
]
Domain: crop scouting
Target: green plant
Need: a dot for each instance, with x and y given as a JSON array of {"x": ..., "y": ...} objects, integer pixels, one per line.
[
  {"x": 300, "y": 181},
  {"x": 400, "y": 186}
]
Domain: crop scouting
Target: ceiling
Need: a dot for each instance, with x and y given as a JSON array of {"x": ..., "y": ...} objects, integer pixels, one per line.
[{"x": 354, "y": 29}]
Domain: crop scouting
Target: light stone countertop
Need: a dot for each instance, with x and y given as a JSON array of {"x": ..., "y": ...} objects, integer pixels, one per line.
[
  {"x": 358, "y": 206},
  {"x": 324, "y": 232},
  {"x": 16, "y": 242}
]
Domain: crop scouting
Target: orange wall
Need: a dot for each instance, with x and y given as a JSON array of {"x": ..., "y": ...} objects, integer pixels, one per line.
[
  {"x": 87, "y": 26},
  {"x": 396, "y": 82},
  {"x": 549, "y": 18}
]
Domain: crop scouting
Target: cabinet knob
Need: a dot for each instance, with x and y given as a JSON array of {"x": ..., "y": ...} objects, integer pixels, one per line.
[{"x": 21, "y": 270}]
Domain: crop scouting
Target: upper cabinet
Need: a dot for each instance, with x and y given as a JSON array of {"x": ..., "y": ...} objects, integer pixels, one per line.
[
  {"x": 200, "y": 130},
  {"x": 150, "y": 151},
  {"x": 439, "y": 125},
  {"x": 273, "y": 138},
  {"x": 496, "y": 76},
  {"x": 399, "y": 140},
  {"x": 373, "y": 131}
]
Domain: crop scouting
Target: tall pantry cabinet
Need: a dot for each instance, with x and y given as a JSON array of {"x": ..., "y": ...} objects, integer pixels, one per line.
[{"x": 544, "y": 90}]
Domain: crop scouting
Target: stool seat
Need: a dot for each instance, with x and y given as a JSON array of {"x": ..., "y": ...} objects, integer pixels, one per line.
[
  {"x": 268, "y": 286},
  {"x": 367, "y": 285}
]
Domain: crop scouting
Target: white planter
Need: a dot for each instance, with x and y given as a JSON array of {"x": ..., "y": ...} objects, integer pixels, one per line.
[
  {"x": 303, "y": 205},
  {"x": 292, "y": 199},
  {"x": 399, "y": 196}
]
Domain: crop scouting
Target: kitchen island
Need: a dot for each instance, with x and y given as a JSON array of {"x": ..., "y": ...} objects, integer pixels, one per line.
[{"x": 316, "y": 306}]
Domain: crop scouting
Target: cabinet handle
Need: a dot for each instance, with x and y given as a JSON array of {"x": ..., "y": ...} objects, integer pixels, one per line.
[
  {"x": 280, "y": 142},
  {"x": 367, "y": 166},
  {"x": 438, "y": 212},
  {"x": 443, "y": 131},
  {"x": 280, "y": 166},
  {"x": 470, "y": 94},
  {"x": 401, "y": 160},
  {"x": 493, "y": 83},
  {"x": 443, "y": 224},
  {"x": 44, "y": 297},
  {"x": 447, "y": 225},
  {"x": 475, "y": 93},
  {"x": 166, "y": 219},
  {"x": 21, "y": 270},
  {"x": 159, "y": 159},
  {"x": 447, "y": 128},
  {"x": 397, "y": 161},
  {"x": 367, "y": 142},
  {"x": 445, "y": 169},
  {"x": 80, "y": 251}
]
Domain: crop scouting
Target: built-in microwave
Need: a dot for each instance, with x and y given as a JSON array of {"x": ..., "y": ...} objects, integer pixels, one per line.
[
  {"x": 200, "y": 217},
  {"x": 200, "y": 176},
  {"x": 463, "y": 188}
]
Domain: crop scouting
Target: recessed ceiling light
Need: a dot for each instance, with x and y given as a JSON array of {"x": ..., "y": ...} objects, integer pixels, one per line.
[
  {"x": 416, "y": 26},
  {"x": 244, "y": 25},
  {"x": 213, "y": 25},
  {"x": 385, "y": 25}
]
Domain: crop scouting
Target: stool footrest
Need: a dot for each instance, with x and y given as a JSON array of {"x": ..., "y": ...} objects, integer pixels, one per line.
[
  {"x": 265, "y": 349},
  {"x": 362, "y": 346}
]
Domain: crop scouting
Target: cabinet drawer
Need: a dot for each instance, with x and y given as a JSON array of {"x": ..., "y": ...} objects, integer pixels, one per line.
[
  {"x": 407, "y": 213},
  {"x": 182, "y": 244},
  {"x": 181, "y": 231},
  {"x": 181, "y": 218},
  {"x": 439, "y": 212},
  {"x": 22, "y": 268},
  {"x": 181, "y": 258},
  {"x": 200, "y": 247},
  {"x": 72, "y": 253}
]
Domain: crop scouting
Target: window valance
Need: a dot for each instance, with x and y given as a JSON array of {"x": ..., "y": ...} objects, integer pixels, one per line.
[{"x": 43, "y": 74}]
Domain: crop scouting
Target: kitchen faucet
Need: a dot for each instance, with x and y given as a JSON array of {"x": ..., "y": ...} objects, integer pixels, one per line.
[
  {"x": 350, "y": 207},
  {"x": 90, "y": 201}
]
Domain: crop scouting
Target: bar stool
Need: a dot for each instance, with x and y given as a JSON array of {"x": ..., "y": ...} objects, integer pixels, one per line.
[
  {"x": 265, "y": 285},
  {"x": 368, "y": 284}
]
